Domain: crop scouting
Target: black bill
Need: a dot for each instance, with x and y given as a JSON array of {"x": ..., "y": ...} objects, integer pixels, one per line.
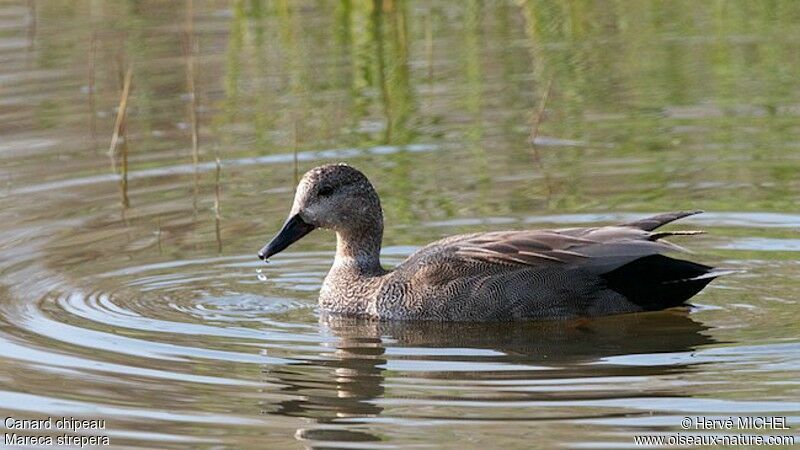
[{"x": 294, "y": 229}]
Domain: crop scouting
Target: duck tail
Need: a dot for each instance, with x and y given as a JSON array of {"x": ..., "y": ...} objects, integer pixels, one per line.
[{"x": 656, "y": 282}]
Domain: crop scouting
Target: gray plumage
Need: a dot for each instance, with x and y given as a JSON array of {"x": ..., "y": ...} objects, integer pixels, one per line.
[{"x": 491, "y": 276}]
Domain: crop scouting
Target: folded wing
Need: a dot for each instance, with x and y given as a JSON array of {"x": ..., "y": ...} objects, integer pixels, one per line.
[{"x": 572, "y": 271}]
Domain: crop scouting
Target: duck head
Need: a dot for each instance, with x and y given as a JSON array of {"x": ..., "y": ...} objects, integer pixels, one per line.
[{"x": 336, "y": 197}]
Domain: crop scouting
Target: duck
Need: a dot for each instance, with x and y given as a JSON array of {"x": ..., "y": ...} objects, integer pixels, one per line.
[{"x": 515, "y": 275}]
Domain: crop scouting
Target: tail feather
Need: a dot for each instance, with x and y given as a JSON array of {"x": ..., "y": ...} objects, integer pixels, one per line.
[
  {"x": 711, "y": 274},
  {"x": 663, "y": 234},
  {"x": 651, "y": 223}
]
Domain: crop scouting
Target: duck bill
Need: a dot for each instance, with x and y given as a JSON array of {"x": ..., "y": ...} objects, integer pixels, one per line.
[{"x": 294, "y": 229}]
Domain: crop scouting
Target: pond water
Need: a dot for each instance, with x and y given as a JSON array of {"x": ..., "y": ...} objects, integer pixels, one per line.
[{"x": 130, "y": 290}]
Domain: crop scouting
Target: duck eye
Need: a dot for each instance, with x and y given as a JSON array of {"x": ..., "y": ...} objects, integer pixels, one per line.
[{"x": 325, "y": 191}]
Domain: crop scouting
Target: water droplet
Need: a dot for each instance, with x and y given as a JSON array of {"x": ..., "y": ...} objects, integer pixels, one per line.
[{"x": 260, "y": 275}]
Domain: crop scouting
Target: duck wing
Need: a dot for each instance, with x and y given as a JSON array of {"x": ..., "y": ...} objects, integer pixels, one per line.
[
  {"x": 561, "y": 272},
  {"x": 596, "y": 250}
]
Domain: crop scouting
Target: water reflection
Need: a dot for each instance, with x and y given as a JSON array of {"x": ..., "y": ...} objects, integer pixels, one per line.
[
  {"x": 551, "y": 343},
  {"x": 523, "y": 361}
]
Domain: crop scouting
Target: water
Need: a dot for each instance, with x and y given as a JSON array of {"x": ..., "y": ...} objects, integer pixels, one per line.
[{"x": 158, "y": 317}]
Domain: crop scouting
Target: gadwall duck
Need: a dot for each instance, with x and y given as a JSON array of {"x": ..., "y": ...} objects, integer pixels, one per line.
[{"x": 491, "y": 276}]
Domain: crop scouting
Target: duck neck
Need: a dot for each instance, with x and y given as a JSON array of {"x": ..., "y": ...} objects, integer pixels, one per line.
[
  {"x": 352, "y": 284},
  {"x": 358, "y": 252}
]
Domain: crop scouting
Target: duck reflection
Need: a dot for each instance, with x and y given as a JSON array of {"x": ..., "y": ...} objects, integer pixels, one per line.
[
  {"x": 345, "y": 385},
  {"x": 336, "y": 385}
]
